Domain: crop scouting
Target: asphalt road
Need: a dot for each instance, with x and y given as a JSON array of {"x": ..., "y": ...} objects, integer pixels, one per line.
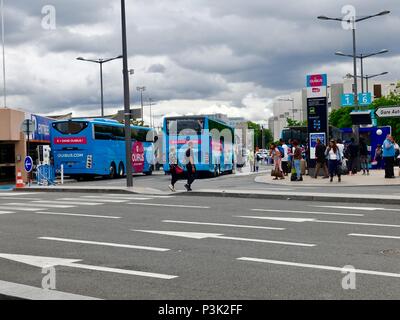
[{"x": 302, "y": 247}]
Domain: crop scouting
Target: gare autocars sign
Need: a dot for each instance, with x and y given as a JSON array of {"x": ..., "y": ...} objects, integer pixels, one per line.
[{"x": 388, "y": 112}]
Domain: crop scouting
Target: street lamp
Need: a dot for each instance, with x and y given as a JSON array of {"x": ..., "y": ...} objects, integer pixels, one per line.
[
  {"x": 367, "y": 77},
  {"x": 151, "y": 103},
  {"x": 362, "y": 57},
  {"x": 4, "y": 55},
  {"x": 100, "y": 62},
  {"x": 127, "y": 107},
  {"x": 353, "y": 20},
  {"x": 141, "y": 89}
]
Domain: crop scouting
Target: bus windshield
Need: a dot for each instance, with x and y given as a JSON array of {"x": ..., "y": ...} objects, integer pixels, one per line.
[
  {"x": 186, "y": 125},
  {"x": 70, "y": 127}
]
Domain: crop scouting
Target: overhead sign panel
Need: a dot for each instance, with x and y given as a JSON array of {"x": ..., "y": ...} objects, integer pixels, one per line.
[
  {"x": 364, "y": 99},
  {"x": 347, "y": 100},
  {"x": 317, "y": 80}
]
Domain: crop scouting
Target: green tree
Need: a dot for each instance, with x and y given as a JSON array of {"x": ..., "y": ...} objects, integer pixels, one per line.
[
  {"x": 295, "y": 123},
  {"x": 340, "y": 118}
]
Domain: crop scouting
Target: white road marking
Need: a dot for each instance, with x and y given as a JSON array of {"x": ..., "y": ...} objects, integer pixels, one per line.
[
  {"x": 107, "y": 244},
  {"x": 45, "y": 262},
  {"x": 14, "y": 194},
  {"x": 373, "y": 236},
  {"x": 322, "y": 267},
  {"x": 310, "y": 212},
  {"x": 79, "y": 215},
  {"x": 167, "y": 205},
  {"x": 199, "y": 235},
  {"x": 73, "y": 203},
  {"x": 8, "y": 207},
  {"x": 223, "y": 225},
  {"x": 100, "y": 198},
  {"x": 322, "y": 221},
  {"x": 22, "y": 291},
  {"x": 67, "y": 200},
  {"x": 41, "y": 205},
  {"x": 134, "y": 196},
  {"x": 27, "y": 199},
  {"x": 359, "y": 208},
  {"x": 279, "y": 218},
  {"x": 6, "y": 212}
]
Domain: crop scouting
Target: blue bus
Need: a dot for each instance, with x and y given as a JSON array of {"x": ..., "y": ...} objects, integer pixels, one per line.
[
  {"x": 96, "y": 147},
  {"x": 212, "y": 139}
]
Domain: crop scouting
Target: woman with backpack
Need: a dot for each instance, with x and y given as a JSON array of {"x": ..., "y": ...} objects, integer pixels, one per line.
[
  {"x": 277, "y": 157},
  {"x": 334, "y": 160},
  {"x": 174, "y": 168}
]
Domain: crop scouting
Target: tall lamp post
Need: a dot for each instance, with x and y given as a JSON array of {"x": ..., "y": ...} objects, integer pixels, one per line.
[
  {"x": 151, "y": 103},
  {"x": 4, "y": 55},
  {"x": 141, "y": 89},
  {"x": 362, "y": 57},
  {"x": 127, "y": 108},
  {"x": 353, "y": 21},
  {"x": 100, "y": 62}
]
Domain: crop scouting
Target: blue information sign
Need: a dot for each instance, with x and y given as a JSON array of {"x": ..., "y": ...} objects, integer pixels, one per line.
[
  {"x": 28, "y": 164},
  {"x": 347, "y": 100},
  {"x": 364, "y": 99}
]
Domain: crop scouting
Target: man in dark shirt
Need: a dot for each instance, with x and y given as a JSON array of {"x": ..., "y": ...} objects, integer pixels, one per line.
[
  {"x": 321, "y": 159},
  {"x": 191, "y": 169}
]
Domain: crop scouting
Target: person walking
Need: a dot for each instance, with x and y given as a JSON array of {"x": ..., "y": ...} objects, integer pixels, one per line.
[
  {"x": 334, "y": 160},
  {"x": 174, "y": 169},
  {"x": 190, "y": 166},
  {"x": 297, "y": 156},
  {"x": 353, "y": 151},
  {"x": 388, "y": 156},
  {"x": 251, "y": 160},
  {"x": 276, "y": 156},
  {"x": 285, "y": 157},
  {"x": 364, "y": 157},
  {"x": 321, "y": 159}
]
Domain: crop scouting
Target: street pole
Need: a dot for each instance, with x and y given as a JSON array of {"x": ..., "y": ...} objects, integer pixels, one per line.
[
  {"x": 362, "y": 73},
  {"x": 4, "y": 55},
  {"x": 127, "y": 111},
  {"x": 356, "y": 128},
  {"x": 101, "y": 86}
]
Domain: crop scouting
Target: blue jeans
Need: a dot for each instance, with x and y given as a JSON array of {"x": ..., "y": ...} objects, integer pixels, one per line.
[
  {"x": 297, "y": 167},
  {"x": 334, "y": 167}
]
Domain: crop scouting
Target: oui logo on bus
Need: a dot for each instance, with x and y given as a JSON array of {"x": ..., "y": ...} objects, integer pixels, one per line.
[{"x": 138, "y": 157}]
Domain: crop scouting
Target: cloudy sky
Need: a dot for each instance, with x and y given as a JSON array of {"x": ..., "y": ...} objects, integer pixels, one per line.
[{"x": 193, "y": 56}]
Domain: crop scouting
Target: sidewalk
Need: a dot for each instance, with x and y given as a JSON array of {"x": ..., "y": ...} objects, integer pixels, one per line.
[{"x": 376, "y": 178}]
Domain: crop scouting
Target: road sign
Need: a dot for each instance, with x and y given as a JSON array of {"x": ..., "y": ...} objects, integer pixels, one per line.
[
  {"x": 388, "y": 112},
  {"x": 364, "y": 99},
  {"x": 28, "y": 164},
  {"x": 28, "y": 126},
  {"x": 347, "y": 100}
]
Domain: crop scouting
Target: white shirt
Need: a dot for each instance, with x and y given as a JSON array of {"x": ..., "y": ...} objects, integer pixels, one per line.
[
  {"x": 341, "y": 149},
  {"x": 332, "y": 155},
  {"x": 286, "y": 155}
]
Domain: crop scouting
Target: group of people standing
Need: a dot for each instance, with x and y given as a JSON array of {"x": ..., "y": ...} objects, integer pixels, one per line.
[
  {"x": 333, "y": 154},
  {"x": 285, "y": 157}
]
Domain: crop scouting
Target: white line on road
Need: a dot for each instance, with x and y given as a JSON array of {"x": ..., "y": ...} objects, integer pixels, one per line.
[
  {"x": 6, "y": 212},
  {"x": 322, "y": 267},
  {"x": 134, "y": 196},
  {"x": 26, "y": 199},
  {"x": 108, "y": 244},
  {"x": 41, "y": 205},
  {"x": 359, "y": 208},
  {"x": 322, "y": 221},
  {"x": 115, "y": 198},
  {"x": 310, "y": 212},
  {"x": 73, "y": 203},
  {"x": 167, "y": 205},
  {"x": 14, "y": 194},
  {"x": 79, "y": 215},
  {"x": 199, "y": 235},
  {"x": 8, "y": 207},
  {"x": 279, "y": 218},
  {"x": 22, "y": 291},
  {"x": 373, "y": 236},
  {"x": 223, "y": 225},
  {"x": 67, "y": 200}
]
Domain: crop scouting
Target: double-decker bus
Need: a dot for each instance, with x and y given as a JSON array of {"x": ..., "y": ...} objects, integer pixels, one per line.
[
  {"x": 96, "y": 147},
  {"x": 213, "y": 143}
]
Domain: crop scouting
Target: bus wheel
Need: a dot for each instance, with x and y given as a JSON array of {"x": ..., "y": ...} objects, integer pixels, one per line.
[
  {"x": 112, "y": 171},
  {"x": 121, "y": 170}
]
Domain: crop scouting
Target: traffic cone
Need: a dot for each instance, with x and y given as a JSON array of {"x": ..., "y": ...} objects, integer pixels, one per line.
[{"x": 20, "y": 183}]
